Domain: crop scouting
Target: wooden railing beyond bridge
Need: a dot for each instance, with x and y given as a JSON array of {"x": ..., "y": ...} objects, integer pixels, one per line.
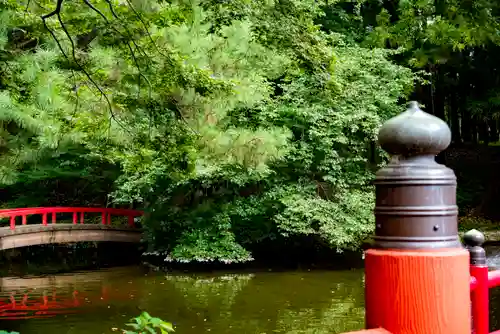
[{"x": 20, "y": 232}]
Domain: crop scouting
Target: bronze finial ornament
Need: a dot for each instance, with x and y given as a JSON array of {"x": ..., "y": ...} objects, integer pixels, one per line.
[
  {"x": 474, "y": 241},
  {"x": 415, "y": 196}
]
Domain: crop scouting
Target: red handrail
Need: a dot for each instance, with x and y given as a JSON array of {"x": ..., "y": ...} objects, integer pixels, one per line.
[
  {"x": 480, "y": 299},
  {"x": 493, "y": 278},
  {"x": 481, "y": 281},
  {"x": 44, "y": 211}
]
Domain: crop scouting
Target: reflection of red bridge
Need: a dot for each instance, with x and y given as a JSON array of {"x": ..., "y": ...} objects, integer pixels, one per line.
[
  {"x": 37, "y": 308},
  {"x": 42, "y": 297},
  {"x": 24, "y": 306},
  {"x": 37, "y": 234}
]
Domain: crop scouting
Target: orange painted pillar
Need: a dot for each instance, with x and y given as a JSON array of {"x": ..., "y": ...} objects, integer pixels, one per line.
[
  {"x": 417, "y": 272},
  {"x": 371, "y": 331},
  {"x": 418, "y": 292}
]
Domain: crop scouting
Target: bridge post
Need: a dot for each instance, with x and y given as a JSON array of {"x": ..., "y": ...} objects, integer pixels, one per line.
[
  {"x": 417, "y": 272},
  {"x": 474, "y": 240}
]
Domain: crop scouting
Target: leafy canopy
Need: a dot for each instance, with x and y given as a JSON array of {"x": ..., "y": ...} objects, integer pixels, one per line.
[{"x": 232, "y": 123}]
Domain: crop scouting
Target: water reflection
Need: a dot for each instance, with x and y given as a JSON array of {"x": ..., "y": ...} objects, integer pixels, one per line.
[
  {"x": 96, "y": 301},
  {"x": 264, "y": 302},
  {"x": 42, "y": 297},
  {"x": 493, "y": 256}
]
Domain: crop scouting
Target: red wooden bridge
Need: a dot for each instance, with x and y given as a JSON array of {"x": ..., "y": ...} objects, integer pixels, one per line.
[
  {"x": 21, "y": 233},
  {"x": 419, "y": 278}
]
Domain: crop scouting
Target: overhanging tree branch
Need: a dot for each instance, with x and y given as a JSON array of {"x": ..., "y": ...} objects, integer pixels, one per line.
[
  {"x": 57, "y": 12},
  {"x": 145, "y": 28},
  {"x": 49, "y": 15},
  {"x": 128, "y": 38}
]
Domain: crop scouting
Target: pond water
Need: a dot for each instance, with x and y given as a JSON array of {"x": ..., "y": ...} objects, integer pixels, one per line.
[{"x": 102, "y": 301}]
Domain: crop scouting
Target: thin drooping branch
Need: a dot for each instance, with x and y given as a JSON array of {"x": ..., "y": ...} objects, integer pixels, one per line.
[
  {"x": 145, "y": 28},
  {"x": 139, "y": 17},
  {"x": 73, "y": 53},
  {"x": 128, "y": 40},
  {"x": 57, "y": 12},
  {"x": 44, "y": 20},
  {"x": 87, "y": 2},
  {"x": 129, "y": 37},
  {"x": 139, "y": 70}
]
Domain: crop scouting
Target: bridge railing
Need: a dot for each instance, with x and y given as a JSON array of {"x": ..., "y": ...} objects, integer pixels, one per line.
[
  {"x": 78, "y": 214},
  {"x": 482, "y": 279}
]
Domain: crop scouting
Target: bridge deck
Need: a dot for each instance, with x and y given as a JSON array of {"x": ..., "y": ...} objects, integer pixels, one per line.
[{"x": 29, "y": 235}]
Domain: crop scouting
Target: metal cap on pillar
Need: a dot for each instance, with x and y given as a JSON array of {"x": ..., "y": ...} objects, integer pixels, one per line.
[
  {"x": 474, "y": 241},
  {"x": 415, "y": 196}
]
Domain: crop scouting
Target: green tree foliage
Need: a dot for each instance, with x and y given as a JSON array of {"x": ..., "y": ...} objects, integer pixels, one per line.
[
  {"x": 232, "y": 123},
  {"x": 455, "y": 42}
]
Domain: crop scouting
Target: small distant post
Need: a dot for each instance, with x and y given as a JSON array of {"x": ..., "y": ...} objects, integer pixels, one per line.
[
  {"x": 474, "y": 240},
  {"x": 417, "y": 272}
]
